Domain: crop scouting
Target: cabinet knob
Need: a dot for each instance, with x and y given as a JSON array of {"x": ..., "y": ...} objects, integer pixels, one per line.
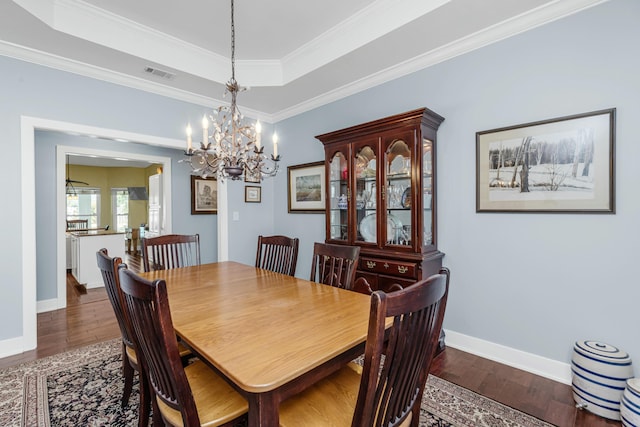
[
  {"x": 371, "y": 264},
  {"x": 386, "y": 265},
  {"x": 402, "y": 269}
]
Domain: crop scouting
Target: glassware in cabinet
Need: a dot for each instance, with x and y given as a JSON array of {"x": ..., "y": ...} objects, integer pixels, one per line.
[
  {"x": 398, "y": 212},
  {"x": 427, "y": 192},
  {"x": 338, "y": 215},
  {"x": 365, "y": 167}
]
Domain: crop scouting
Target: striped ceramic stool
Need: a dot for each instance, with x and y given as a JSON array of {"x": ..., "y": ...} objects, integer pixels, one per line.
[
  {"x": 599, "y": 376},
  {"x": 630, "y": 404}
]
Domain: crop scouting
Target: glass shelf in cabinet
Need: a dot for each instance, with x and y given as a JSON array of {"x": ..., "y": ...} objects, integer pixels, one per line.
[
  {"x": 399, "y": 177},
  {"x": 365, "y": 178}
]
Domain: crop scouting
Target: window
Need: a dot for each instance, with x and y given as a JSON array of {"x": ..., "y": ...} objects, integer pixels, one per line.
[
  {"x": 84, "y": 204},
  {"x": 120, "y": 208}
]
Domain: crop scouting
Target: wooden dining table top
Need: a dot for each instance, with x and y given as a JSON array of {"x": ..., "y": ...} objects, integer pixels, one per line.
[{"x": 261, "y": 329}]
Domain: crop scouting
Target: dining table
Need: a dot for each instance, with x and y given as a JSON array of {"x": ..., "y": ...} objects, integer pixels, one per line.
[{"x": 269, "y": 335}]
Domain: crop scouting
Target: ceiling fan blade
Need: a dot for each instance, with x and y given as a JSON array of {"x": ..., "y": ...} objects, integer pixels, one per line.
[{"x": 69, "y": 181}]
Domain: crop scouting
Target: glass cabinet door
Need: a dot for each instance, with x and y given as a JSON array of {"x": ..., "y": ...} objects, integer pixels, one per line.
[
  {"x": 338, "y": 197},
  {"x": 427, "y": 192},
  {"x": 366, "y": 193},
  {"x": 398, "y": 198}
]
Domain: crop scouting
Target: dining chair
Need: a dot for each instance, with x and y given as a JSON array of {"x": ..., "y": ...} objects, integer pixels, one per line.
[
  {"x": 109, "y": 268},
  {"x": 278, "y": 253},
  {"x": 334, "y": 265},
  {"x": 132, "y": 237},
  {"x": 364, "y": 287},
  {"x": 77, "y": 224},
  {"x": 381, "y": 393},
  {"x": 188, "y": 396},
  {"x": 170, "y": 251}
]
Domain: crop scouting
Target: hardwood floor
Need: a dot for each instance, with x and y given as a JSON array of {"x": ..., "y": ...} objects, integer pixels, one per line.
[
  {"x": 89, "y": 319},
  {"x": 545, "y": 399}
]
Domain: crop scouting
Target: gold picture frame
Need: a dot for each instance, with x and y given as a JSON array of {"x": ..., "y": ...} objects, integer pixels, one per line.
[
  {"x": 252, "y": 194},
  {"x": 306, "y": 188}
]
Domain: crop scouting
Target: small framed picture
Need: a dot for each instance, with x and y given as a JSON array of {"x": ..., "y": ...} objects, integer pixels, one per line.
[
  {"x": 306, "y": 188},
  {"x": 204, "y": 195},
  {"x": 253, "y": 177},
  {"x": 252, "y": 194}
]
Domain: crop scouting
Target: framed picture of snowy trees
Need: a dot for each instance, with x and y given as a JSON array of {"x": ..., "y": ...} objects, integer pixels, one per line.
[{"x": 564, "y": 165}]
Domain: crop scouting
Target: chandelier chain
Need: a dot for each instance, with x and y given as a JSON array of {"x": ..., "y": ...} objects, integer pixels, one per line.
[{"x": 234, "y": 148}]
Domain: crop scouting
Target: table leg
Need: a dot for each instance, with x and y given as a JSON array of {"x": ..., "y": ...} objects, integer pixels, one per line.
[{"x": 263, "y": 410}]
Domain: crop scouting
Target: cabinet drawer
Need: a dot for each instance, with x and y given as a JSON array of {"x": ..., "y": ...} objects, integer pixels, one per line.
[{"x": 390, "y": 267}]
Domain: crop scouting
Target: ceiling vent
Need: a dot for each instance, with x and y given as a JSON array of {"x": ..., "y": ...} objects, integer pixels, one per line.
[{"x": 159, "y": 73}]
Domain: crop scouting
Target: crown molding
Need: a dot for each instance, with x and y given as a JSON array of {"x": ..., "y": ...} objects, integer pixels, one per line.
[
  {"x": 524, "y": 22},
  {"x": 86, "y": 21},
  {"x": 372, "y": 22},
  {"x": 514, "y": 26},
  {"x": 64, "y": 64}
]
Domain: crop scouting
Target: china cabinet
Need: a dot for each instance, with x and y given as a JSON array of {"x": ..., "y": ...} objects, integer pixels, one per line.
[{"x": 381, "y": 196}]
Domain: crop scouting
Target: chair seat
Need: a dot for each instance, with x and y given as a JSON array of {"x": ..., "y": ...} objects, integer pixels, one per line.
[
  {"x": 330, "y": 402},
  {"x": 217, "y": 402},
  {"x": 131, "y": 353},
  {"x": 182, "y": 350}
]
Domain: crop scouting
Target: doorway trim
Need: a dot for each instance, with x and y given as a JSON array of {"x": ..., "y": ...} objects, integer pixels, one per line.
[
  {"x": 28, "y": 126},
  {"x": 61, "y": 153}
]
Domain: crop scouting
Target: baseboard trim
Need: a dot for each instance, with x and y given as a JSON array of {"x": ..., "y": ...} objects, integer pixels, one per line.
[
  {"x": 538, "y": 365},
  {"x": 47, "y": 305},
  {"x": 11, "y": 346}
]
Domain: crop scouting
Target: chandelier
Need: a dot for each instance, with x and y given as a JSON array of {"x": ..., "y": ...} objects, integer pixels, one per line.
[{"x": 234, "y": 147}]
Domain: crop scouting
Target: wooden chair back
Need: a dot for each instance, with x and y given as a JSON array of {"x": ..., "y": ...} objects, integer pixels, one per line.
[
  {"x": 147, "y": 307},
  {"x": 389, "y": 396},
  {"x": 170, "y": 251},
  {"x": 278, "y": 253},
  {"x": 109, "y": 268},
  {"x": 334, "y": 265},
  {"x": 77, "y": 224}
]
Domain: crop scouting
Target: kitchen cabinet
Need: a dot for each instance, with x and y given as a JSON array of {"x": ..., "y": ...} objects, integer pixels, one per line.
[
  {"x": 381, "y": 193},
  {"x": 156, "y": 207},
  {"x": 84, "y": 245}
]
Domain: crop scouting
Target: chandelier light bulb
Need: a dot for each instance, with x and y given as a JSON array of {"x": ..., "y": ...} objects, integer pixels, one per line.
[
  {"x": 258, "y": 135},
  {"x": 189, "y": 131},
  {"x": 275, "y": 145}
]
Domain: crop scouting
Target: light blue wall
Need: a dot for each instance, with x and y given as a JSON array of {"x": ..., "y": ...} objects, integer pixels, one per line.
[
  {"x": 45, "y": 158},
  {"x": 41, "y": 92},
  {"x": 533, "y": 282}
]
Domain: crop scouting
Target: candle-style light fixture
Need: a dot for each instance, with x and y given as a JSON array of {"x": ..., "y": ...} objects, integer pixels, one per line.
[{"x": 234, "y": 148}]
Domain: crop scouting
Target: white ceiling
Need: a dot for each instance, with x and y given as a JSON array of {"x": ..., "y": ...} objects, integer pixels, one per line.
[
  {"x": 106, "y": 162},
  {"x": 294, "y": 55}
]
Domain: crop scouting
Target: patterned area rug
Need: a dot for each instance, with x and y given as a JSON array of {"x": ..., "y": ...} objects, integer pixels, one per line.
[{"x": 83, "y": 388}]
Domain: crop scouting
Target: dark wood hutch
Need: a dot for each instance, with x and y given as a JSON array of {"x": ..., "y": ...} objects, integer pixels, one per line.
[{"x": 381, "y": 196}]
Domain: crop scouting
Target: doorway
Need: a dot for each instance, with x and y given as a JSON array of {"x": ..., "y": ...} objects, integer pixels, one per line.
[
  {"x": 28, "y": 127},
  {"x": 105, "y": 157},
  {"x": 111, "y": 194}
]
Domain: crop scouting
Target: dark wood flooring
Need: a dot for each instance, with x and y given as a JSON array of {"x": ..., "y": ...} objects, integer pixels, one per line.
[{"x": 89, "y": 319}]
